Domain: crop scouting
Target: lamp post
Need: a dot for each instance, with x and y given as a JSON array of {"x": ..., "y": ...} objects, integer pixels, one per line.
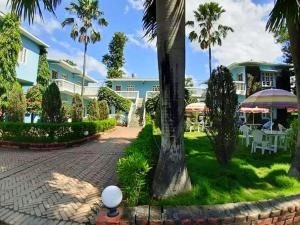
[{"x": 112, "y": 197}]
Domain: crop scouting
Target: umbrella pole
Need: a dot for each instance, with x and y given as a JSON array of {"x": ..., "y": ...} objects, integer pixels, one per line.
[
  {"x": 271, "y": 119},
  {"x": 252, "y": 118}
]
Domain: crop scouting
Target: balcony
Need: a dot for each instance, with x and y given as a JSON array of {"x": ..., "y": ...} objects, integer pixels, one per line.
[
  {"x": 72, "y": 88},
  {"x": 129, "y": 94},
  {"x": 240, "y": 87},
  {"x": 197, "y": 92}
]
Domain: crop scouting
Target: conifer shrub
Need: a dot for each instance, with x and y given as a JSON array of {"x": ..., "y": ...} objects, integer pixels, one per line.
[
  {"x": 16, "y": 104},
  {"x": 93, "y": 110},
  {"x": 77, "y": 104},
  {"x": 103, "y": 110},
  {"x": 51, "y": 104}
]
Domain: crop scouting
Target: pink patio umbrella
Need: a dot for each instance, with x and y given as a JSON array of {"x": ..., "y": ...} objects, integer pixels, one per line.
[
  {"x": 253, "y": 110},
  {"x": 271, "y": 98},
  {"x": 196, "y": 107}
]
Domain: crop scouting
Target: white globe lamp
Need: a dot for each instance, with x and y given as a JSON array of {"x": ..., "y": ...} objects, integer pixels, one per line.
[{"x": 112, "y": 197}]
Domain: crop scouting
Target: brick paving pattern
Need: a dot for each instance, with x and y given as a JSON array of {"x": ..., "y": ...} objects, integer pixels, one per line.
[{"x": 59, "y": 187}]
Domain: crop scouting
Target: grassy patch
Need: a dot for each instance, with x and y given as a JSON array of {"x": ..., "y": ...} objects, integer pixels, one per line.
[{"x": 249, "y": 177}]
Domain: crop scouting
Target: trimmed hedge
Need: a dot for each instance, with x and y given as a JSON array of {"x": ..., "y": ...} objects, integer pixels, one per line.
[
  {"x": 136, "y": 168},
  {"x": 52, "y": 132}
]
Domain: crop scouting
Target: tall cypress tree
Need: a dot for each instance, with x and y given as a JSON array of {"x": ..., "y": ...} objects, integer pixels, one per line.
[{"x": 43, "y": 76}]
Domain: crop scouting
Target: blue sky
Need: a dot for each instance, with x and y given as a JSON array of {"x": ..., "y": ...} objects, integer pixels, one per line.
[{"x": 249, "y": 41}]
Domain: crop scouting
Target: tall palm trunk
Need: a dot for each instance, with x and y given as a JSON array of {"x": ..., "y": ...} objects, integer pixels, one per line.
[
  {"x": 294, "y": 33},
  {"x": 171, "y": 176},
  {"x": 84, "y": 68},
  {"x": 209, "y": 59}
]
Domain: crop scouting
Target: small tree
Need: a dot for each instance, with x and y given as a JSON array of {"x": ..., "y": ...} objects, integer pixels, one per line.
[
  {"x": 222, "y": 102},
  {"x": 43, "y": 75},
  {"x": 77, "y": 105},
  {"x": 34, "y": 97},
  {"x": 51, "y": 104},
  {"x": 66, "y": 111},
  {"x": 16, "y": 104},
  {"x": 103, "y": 110},
  {"x": 93, "y": 110}
]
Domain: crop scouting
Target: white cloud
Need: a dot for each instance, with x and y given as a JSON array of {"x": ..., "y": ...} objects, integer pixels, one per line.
[
  {"x": 137, "y": 4},
  {"x": 126, "y": 10},
  {"x": 93, "y": 65},
  {"x": 139, "y": 40},
  {"x": 48, "y": 25},
  {"x": 61, "y": 43},
  {"x": 249, "y": 40}
]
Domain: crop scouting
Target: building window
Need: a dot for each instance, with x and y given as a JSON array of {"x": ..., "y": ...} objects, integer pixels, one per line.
[
  {"x": 118, "y": 88},
  {"x": 240, "y": 77},
  {"x": 54, "y": 74},
  {"x": 267, "y": 79},
  {"x": 155, "y": 88},
  {"x": 130, "y": 87},
  {"x": 22, "y": 57}
]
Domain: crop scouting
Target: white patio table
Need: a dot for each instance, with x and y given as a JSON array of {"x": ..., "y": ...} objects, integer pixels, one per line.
[{"x": 274, "y": 135}]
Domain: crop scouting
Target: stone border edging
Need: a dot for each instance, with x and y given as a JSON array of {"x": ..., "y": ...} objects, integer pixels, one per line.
[
  {"x": 280, "y": 211},
  {"x": 51, "y": 146}
]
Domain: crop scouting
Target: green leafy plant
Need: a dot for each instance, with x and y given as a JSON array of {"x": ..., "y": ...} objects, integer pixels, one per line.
[
  {"x": 34, "y": 97},
  {"x": 43, "y": 75},
  {"x": 77, "y": 104},
  {"x": 66, "y": 111},
  {"x": 103, "y": 109},
  {"x": 52, "y": 132},
  {"x": 292, "y": 134},
  {"x": 112, "y": 98},
  {"x": 222, "y": 101},
  {"x": 16, "y": 104},
  {"x": 51, "y": 104},
  {"x": 93, "y": 110}
]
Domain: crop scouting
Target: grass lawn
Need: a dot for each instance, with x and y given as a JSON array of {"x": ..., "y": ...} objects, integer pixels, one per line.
[{"x": 249, "y": 177}]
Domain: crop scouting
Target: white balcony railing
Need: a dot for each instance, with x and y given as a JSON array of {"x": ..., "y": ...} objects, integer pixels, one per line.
[
  {"x": 72, "y": 88},
  {"x": 240, "y": 87},
  {"x": 197, "y": 92},
  {"x": 129, "y": 94}
]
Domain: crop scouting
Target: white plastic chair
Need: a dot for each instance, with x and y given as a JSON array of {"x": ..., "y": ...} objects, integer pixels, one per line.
[
  {"x": 245, "y": 130},
  {"x": 258, "y": 142}
]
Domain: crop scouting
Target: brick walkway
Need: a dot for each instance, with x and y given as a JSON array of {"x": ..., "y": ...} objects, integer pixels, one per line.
[{"x": 59, "y": 187}]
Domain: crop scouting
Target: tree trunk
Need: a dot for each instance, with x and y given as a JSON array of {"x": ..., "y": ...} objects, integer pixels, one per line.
[
  {"x": 294, "y": 33},
  {"x": 209, "y": 59},
  {"x": 171, "y": 176},
  {"x": 83, "y": 75}
]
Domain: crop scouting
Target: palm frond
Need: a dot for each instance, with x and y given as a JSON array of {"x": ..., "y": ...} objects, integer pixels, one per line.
[
  {"x": 74, "y": 31},
  {"x": 149, "y": 19},
  {"x": 190, "y": 23},
  {"x": 193, "y": 36},
  {"x": 95, "y": 36},
  {"x": 102, "y": 22},
  {"x": 68, "y": 21}
]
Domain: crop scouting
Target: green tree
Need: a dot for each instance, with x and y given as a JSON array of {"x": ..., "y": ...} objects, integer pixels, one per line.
[
  {"x": 253, "y": 86},
  {"x": 10, "y": 46},
  {"x": 282, "y": 37},
  {"x": 189, "y": 82},
  {"x": 222, "y": 101},
  {"x": 66, "y": 111},
  {"x": 87, "y": 13},
  {"x": 93, "y": 110},
  {"x": 286, "y": 13},
  {"x": 34, "y": 97},
  {"x": 51, "y": 104},
  {"x": 28, "y": 9},
  {"x": 114, "y": 60},
  {"x": 43, "y": 74},
  {"x": 211, "y": 31},
  {"x": 16, "y": 104},
  {"x": 77, "y": 105},
  {"x": 103, "y": 110},
  {"x": 166, "y": 20}
]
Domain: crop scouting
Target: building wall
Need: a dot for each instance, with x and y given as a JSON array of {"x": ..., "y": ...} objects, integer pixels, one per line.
[
  {"x": 141, "y": 86},
  {"x": 65, "y": 74},
  {"x": 238, "y": 70},
  {"x": 28, "y": 70}
]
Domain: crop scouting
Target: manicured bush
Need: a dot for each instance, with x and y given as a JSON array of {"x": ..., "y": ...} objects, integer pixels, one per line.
[
  {"x": 136, "y": 168},
  {"x": 77, "y": 104},
  {"x": 292, "y": 134},
  {"x": 103, "y": 109},
  {"x": 112, "y": 98},
  {"x": 51, "y": 104},
  {"x": 16, "y": 104},
  {"x": 52, "y": 132},
  {"x": 93, "y": 110},
  {"x": 66, "y": 111}
]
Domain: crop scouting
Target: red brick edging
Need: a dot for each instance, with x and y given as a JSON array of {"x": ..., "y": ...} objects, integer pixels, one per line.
[
  {"x": 281, "y": 211},
  {"x": 51, "y": 146}
]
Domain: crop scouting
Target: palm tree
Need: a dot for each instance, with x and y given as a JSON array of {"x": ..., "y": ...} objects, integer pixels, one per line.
[
  {"x": 287, "y": 13},
  {"x": 210, "y": 34},
  {"x": 29, "y": 8},
  {"x": 86, "y": 11},
  {"x": 166, "y": 18}
]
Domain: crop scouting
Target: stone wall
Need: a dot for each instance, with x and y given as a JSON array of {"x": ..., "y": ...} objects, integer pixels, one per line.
[{"x": 280, "y": 211}]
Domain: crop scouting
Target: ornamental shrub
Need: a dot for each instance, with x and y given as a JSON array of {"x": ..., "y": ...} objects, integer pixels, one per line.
[
  {"x": 66, "y": 111},
  {"x": 112, "y": 98},
  {"x": 52, "y": 132},
  {"x": 222, "y": 102},
  {"x": 51, "y": 104},
  {"x": 43, "y": 75},
  {"x": 135, "y": 169},
  {"x": 77, "y": 104},
  {"x": 93, "y": 110},
  {"x": 292, "y": 134},
  {"x": 103, "y": 110},
  {"x": 16, "y": 104}
]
